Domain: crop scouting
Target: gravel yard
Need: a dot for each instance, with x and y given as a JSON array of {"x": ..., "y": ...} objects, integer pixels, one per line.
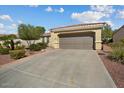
[
  {"x": 4, "y": 59},
  {"x": 115, "y": 69}
]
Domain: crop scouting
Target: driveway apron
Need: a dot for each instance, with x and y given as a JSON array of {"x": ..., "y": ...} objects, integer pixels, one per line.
[{"x": 64, "y": 68}]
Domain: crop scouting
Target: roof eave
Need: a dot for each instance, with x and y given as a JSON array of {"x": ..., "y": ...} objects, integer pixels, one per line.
[{"x": 79, "y": 27}]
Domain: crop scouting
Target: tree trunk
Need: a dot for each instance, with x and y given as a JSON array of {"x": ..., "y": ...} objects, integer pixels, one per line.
[{"x": 12, "y": 44}]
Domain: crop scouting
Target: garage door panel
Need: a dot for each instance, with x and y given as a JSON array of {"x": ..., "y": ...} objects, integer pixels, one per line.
[
  {"x": 76, "y": 39},
  {"x": 76, "y": 42},
  {"x": 74, "y": 46}
]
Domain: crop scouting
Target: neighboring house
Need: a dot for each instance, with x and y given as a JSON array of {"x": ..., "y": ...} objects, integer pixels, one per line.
[
  {"x": 43, "y": 39},
  {"x": 81, "y": 36},
  {"x": 119, "y": 34},
  {"x": 46, "y": 37},
  {"x": 2, "y": 34}
]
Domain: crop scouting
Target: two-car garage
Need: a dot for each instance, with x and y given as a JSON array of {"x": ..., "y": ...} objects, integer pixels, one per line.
[
  {"x": 81, "y": 36},
  {"x": 77, "y": 41}
]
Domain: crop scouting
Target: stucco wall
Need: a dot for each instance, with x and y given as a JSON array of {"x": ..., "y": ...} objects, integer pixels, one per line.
[
  {"x": 54, "y": 39},
  {"x": 98, "y": 40},
  {"x": 23, "y": 42}
]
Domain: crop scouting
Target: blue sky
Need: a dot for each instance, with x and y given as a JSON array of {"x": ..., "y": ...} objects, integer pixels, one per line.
[{"x": 58, "y": 15}]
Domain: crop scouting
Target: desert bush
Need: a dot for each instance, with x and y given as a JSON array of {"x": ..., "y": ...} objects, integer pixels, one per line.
[
  {"x": 4, "y": 51},
  {"x": 42, "y": 45},
  {"x": 1, "y": 46},
  {"x": 35, "y": 47},
  {"x": 17, "y": 54},
  {"x": 117, "y": 54},
  {"x": 6, "y": 44},
  {"x": 117, "y": 45},
  {"x": 19, "y": 47},
  {"x": 8, "y": 40}
]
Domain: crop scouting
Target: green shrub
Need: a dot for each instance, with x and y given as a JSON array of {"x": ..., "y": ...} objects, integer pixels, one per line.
[
  {"x": 35, "y": 47},
  {"x": 117, "y": 45},
  {"x": 19, "y": 47},
  {"x": 117, "y": 54},
  {"x": 4, "y": 51},
  {"x": 1, "y": 46},
  {"x": 7, "y": 44},
  {"x": 17, "y": 54},
  {"x": 42, "y": 45}
]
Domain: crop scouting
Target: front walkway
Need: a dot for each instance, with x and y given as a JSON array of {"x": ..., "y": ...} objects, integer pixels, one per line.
[{"x": 58, "y": 68}]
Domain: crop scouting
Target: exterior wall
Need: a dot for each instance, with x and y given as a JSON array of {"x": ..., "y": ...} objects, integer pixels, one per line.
[
  {"x": 118, "y": 35},
  {"x": 98, "y": 40},
  {"x": 54, "y": 39},
  {"x": 23, "y": 42}
]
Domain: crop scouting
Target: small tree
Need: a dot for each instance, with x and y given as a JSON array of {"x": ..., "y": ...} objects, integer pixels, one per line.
[
  {"x": 3, "y": 38},
  {"x": 8, "y": 40},
  {"x": 29, "y": 33},
  {"x": 11, "y": 37},
  {"x": 40, "y": 29},
  {"x": 107, "y": 34}
]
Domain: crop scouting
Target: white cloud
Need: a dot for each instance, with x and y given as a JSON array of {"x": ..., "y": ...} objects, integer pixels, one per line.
[
  {"x": 61, "y": 10},
  {"x": 103, "y": 8},
  {"x": 20, "y": 22},
  {"x": 9, "y": 29},
  {"x": 33, "y": 6},
  {"x": 49, "y": 9},
  {"x": 12, "y": 26},
  {"x": 88, "y": 16},
  {"x": 121, "y": 14},
  {"x": 95, "y": 14},
  {"x": 3, "y": 31},
  {"x": 1, "y": 26},
  {"x": 6, "y": 17}
]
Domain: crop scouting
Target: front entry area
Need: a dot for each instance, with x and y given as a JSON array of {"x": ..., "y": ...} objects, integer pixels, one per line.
[{"x": 83, "y": 40}]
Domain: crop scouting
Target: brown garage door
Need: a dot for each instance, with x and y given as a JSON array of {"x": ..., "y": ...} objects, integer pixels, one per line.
[{"x": 77, "y": 41}]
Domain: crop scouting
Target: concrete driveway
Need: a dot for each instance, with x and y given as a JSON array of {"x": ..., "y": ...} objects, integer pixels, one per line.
[{"x": 58, "y": 68}]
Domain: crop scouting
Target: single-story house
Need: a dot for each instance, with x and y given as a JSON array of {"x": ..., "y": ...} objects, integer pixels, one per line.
[
  {"x": 119, "y": 34},
  {"x": 43, "y": 39},
  {"x": 81, "y": 36}
]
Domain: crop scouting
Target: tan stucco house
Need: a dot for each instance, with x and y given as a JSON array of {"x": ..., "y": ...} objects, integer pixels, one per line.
[{"x": 81, "y": 36}]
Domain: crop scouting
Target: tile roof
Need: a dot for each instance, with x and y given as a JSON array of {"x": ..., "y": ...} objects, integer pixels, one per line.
[
  {"x": 82, "y": 26},
  {"x": 46, "y": 34}
]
